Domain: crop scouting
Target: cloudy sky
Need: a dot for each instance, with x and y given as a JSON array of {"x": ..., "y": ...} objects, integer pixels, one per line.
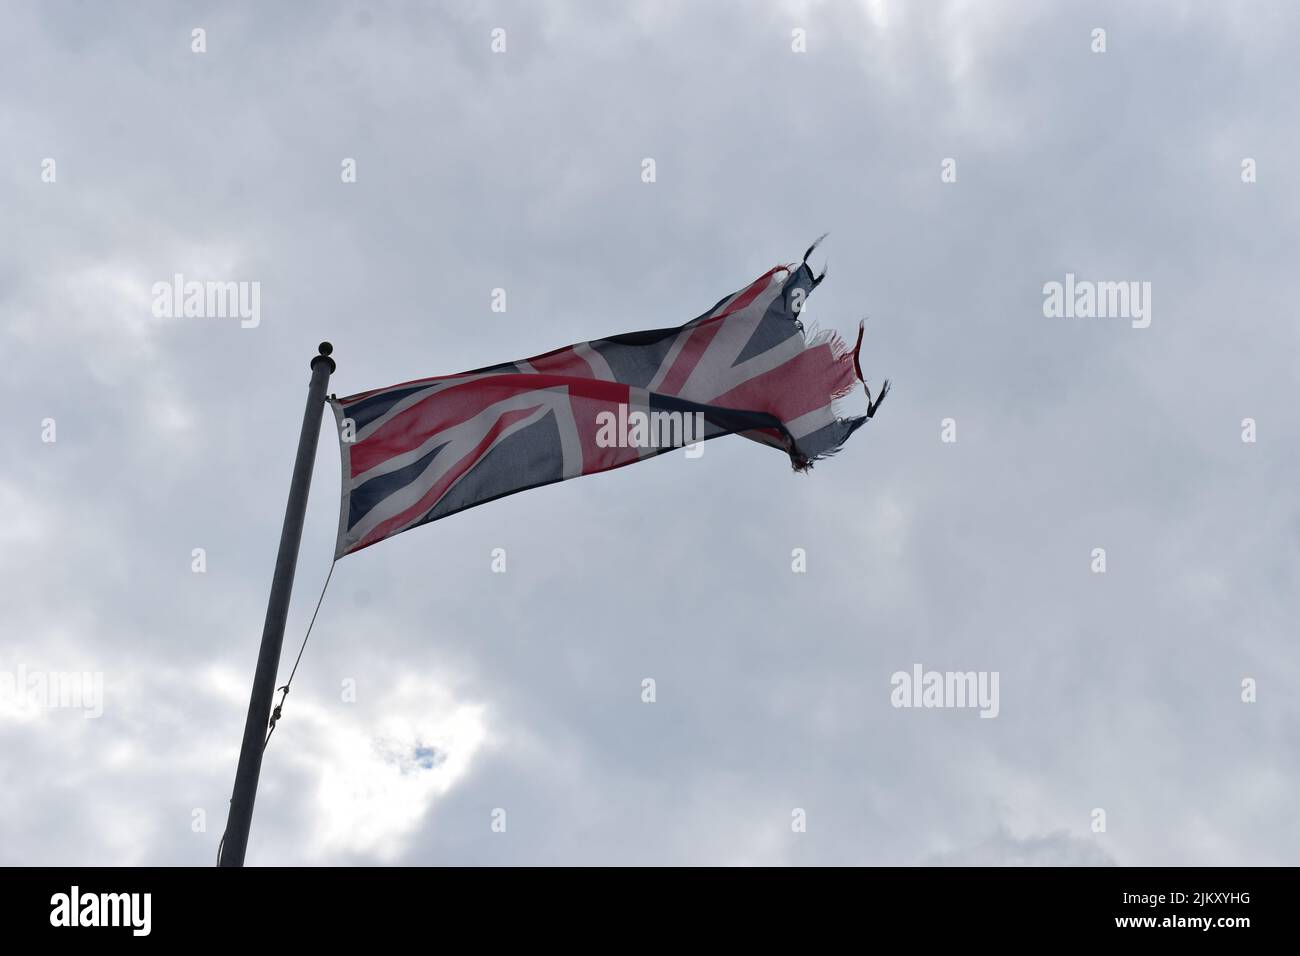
[{"x": 477, "y": 691}]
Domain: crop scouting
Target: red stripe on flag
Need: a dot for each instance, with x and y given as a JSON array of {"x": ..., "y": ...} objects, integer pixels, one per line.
[
  {"x": 809, "y": 381},
  {"x": 457, "y": 404},
  {"x": 688, "y": 357}
]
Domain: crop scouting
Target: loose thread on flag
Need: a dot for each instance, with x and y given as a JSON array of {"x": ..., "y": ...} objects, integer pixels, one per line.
[{"x": 872, "y": 404}]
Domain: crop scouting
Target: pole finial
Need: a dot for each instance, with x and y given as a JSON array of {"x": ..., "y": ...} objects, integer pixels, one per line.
[{"x": 325, "y": 349}]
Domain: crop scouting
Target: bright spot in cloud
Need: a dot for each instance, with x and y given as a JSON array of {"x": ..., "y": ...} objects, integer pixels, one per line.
[{"x": 378, "y": 779}]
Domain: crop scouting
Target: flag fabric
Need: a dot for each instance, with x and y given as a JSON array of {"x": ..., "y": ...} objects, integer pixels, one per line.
[{"x": 423, "y": 450}]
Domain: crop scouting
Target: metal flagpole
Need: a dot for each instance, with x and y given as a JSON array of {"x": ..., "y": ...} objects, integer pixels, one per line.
[{"x": 235, "y": 841}]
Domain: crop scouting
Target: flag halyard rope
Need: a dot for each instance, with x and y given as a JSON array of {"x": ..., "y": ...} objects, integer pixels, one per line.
[{"x": 276, "y": 713}]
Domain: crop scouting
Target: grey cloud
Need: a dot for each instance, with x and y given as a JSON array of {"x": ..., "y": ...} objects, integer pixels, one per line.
[{"x": 521, "y": 171}]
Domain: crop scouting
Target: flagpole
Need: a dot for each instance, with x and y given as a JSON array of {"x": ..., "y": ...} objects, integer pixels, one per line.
[{"x": 235, "y": 841}]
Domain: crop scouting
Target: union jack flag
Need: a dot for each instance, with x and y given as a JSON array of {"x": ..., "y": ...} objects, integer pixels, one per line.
[{"x": 423, "y": 450}]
